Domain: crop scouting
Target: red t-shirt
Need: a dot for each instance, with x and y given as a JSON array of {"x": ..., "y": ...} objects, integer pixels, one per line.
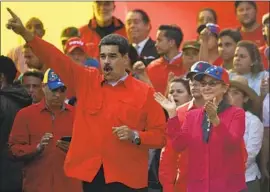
[{"x": 256, "y": 36}]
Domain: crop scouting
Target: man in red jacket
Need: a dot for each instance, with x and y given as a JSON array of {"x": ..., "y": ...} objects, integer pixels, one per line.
[
  {"x": 169, "y": 39},
  {"x": 35, "y": 139},
  {"x": 113, "y": 130},
  {"x": 103, "y": 23}
]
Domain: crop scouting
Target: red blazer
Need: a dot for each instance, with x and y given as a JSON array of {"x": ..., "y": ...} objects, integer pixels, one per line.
[{"x": 219, "y": 164}]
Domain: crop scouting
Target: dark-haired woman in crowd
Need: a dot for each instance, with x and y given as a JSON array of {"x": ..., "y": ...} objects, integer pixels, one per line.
[{"x": 247, "y": 62}]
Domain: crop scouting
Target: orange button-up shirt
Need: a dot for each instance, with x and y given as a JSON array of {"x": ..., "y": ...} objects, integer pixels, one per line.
[
  {"x": 44, "y": 172},
  {"x": 159, "y": 69},
  {"x": 100, "y": 107}
]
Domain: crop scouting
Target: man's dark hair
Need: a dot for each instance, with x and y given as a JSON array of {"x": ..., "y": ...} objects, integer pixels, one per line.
[
  {"x": 33, "y": 73},
  {"x": 212, "y": 11},
  {"x": 114, "y": 39},
  {"x": 173, "y": 32},
  {"x": 237, "y": 3},
  {"x": 144, "y": 15},
  {"x": 234, "y": 34},
  {"x": 8, "y": 68}
]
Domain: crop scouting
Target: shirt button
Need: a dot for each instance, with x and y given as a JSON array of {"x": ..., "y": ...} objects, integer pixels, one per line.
[{"x": 208, "y": 129}]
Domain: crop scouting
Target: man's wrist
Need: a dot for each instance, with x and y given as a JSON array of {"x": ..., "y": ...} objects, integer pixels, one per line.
[
  {"x": 215, "y": 121},
  {"x": 136, "y": 138},
  {"x": 27, "y": 35}
]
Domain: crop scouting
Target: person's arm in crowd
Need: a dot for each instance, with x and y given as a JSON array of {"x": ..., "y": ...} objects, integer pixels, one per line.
[
  {"x": 69, "y": 72},
  {"x": 168, "y": 167},
  {"x": 20, "y": 139},
  {"x": 265, "y": 144},
  {"x": 234, "y": 134},
  {"x": 140, "y": 71},
  {"x": 254, "y": 140},
  {"x": 154, "y": 135},
  {"x": 203, "y": 54},
  {"x": 178, "y": 134}
]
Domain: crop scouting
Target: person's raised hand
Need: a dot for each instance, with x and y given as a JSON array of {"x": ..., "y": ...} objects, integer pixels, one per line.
[{"x": 15, "y": 24}]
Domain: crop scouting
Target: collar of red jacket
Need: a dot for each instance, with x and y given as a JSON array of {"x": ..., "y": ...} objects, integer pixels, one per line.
[
  {"x": 42, "y": 106},
  {"x": 93, "y": 23}
]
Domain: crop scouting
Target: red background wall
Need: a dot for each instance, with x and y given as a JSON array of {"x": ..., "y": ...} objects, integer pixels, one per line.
[{"x": 184, "y": 14}]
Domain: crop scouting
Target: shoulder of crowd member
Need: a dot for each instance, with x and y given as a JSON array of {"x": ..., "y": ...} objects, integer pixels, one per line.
[{"x": 155, "y": 63}]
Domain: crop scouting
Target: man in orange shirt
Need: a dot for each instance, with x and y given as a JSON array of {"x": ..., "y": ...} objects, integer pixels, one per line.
[
  {"x": 169, "y": 39},
  {"x": 246, "y": 12},
  {"x": 117, "y": 119},
  {"x": 103, "y": 23},
  {"x": 34, "y": 140}
]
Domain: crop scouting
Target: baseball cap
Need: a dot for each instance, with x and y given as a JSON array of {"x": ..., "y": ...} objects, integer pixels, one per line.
[
  {"x": 72, "y": 43},
  {"x": 265, "y": 18},
  {"x": 214, "y": 28},
  {"x": 69, "y": 32},
  {"x": 198, "y": 67},
  {"x": 215, "y": 72},
  {"x": 191, "y": 45},
  {"x": 52, "y": 80}
]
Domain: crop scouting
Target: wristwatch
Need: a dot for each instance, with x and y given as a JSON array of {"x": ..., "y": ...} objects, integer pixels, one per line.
[{"x": 136, "y": 138}]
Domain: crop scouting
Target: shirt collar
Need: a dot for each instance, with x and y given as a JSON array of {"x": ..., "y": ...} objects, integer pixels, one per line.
[
  {"x": 44, "y": 107},
  {"x": 141, "y": 44},
  {"x": 173, "y": 59},
  {"x": 191, "y": 105},
  {"x": 124, "y": 79}
]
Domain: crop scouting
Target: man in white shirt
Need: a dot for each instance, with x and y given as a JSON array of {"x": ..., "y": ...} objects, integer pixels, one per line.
[{"x": 138, "y": 28}]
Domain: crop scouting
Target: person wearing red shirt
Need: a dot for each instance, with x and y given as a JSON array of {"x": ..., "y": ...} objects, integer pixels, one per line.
[
  {"x": 263, "y": 50},
  {"x": 173, "y": 165},
  {"x": 34, "y": 140},
  {"x": 117, "y": 119},
  {"x": 209, "y": 44},
  {"x": 250, "y": 29},
  {"x": 103, "y": 23},
  {"x": 227, "y": 43},
  {"x": 213, "y": 136},
  {"x": 169, "y": 39}
]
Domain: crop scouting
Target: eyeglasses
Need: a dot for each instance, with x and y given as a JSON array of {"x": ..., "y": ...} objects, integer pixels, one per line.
[{"x": 210, "y": 83}]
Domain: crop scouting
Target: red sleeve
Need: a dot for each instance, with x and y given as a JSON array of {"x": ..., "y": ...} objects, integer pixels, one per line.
[
  {"x": 234, "y": 134},
  {"x": 70, "y": 72},
  {"x": 168, "y": 167},
  {"x": 19, "y": 137},
  {"x": 179, "y": 137},
  {"x": 154, "y": 136}
]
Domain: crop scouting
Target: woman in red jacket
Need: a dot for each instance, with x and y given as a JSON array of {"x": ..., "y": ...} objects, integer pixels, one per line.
[{"x": 213, "y": 135}]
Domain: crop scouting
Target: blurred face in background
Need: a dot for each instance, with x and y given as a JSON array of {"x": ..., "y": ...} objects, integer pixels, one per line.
[
  {"x": 179, "y": 92},
  {"x": 226, "y": 48},
  {"x": 136, "y": 27},
  {"x": 195, "y": 88},
  {"x": 246, "y": 14},
  {"x": 35, "y": 26},
  {"x": 31, "y": 60},
  {"x": 78, "y": 56},
  {"x": 242, "y": 62},
  {"x": 190, "y": 56},
  {"x": 33, "y": 86},
  {"x": 205, "y": 17},
  {"x": 163, "y": 44},
  {"x": 54, "y": 98},
  {"x": 103, "y": 10}
]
